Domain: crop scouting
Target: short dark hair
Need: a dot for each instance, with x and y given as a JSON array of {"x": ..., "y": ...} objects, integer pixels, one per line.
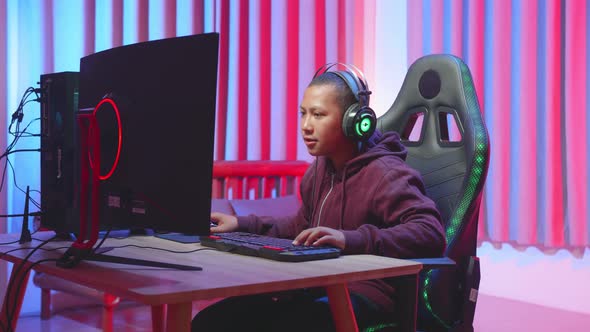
[{"x": 345, "y": 95}]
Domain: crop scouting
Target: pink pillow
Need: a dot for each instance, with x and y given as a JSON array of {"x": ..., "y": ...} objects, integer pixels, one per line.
[
  {"x": 221, "y": 205},
  {"x": 273, "y": 207}
]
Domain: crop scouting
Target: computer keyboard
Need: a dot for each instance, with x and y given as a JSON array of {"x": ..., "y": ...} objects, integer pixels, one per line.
[{"x": 267, "y": 247}]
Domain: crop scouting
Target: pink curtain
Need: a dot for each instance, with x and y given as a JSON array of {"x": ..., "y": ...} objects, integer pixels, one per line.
[{"x": 530, "y": 66}]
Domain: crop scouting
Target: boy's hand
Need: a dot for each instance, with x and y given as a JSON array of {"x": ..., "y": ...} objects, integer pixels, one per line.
[
  {"x": 318, "y": 236},
  {"x": 223, "y": 222}
]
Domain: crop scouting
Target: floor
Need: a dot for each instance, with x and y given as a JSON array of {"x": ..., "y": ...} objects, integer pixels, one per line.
[{"x": 493, "y": 314}]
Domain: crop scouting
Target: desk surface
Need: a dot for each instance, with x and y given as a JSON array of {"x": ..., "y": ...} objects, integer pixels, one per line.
[{"x": 223, "y": 274}]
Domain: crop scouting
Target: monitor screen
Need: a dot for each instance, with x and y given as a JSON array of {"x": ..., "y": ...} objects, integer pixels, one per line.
[{"x": 155, "y": 108}]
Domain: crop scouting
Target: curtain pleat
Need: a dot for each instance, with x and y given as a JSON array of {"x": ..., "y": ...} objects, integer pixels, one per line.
[
  {"x": 525, "y": 99},
  {"x": 169, "y": 18},
  {"x": 89, "y": 26},
  {"x": 117, "y": 22},
  {"x": 3, "y": 112},
  {"x": 264, "y": 67},
  {"x": 553, "y": 199},
  {"x": 320, "y": 33},
  {"x": 415, "y": 30},
  {"x": 143, "y": 28},
  {"x": 242, "y": 81},
  {"x": 222, "y": 80},
  {"x": 576, "y": 139},
  {"x": 198, "y": 13},
  {"x": 47, "y": 40},
  {"x": 292, "y": 77},
  {"x": 473, "y": 53}
]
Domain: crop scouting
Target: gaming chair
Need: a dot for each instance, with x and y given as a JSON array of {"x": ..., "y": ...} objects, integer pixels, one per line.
[{"x": 453, "y": 162}]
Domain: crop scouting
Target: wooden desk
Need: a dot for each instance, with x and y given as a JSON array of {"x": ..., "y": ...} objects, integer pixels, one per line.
[{"x": 223, "y": 275}]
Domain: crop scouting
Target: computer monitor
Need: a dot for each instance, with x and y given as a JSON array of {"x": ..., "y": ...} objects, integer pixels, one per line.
[{"x": 155, "y": 108}]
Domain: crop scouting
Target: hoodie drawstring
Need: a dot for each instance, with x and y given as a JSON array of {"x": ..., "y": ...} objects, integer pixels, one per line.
[{"x": 343, "y": 197}]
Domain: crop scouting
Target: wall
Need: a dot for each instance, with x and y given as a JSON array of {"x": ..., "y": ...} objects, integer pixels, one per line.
[{"x": 559, "y": 279}]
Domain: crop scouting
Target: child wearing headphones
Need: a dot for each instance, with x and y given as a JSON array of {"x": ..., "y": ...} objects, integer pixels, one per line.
[{"x": 358, "y": 195}]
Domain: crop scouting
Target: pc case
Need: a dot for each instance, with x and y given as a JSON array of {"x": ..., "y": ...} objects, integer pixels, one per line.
[{"x": 59, "y": 136}]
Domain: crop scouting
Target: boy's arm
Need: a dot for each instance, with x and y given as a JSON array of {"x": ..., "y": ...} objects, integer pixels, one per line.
[
  {"x": 284, "y": 227},
  {"x": 412, "y": 224}
]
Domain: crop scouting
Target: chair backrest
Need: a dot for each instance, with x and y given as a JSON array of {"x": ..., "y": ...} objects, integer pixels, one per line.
[{"x": 438, "y": 117}]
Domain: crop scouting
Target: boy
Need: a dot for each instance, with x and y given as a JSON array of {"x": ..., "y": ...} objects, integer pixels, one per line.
[{"x": 358, "y": 195}]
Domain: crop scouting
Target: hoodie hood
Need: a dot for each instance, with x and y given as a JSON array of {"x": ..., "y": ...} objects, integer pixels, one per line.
[{"x": 379, "y": 145}]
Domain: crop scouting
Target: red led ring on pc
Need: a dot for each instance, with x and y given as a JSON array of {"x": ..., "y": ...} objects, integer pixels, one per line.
[{"x": 119, "y": 136}]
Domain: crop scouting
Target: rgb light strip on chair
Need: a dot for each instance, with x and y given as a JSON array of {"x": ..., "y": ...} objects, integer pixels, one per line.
[{"x": 476, "y": 174}]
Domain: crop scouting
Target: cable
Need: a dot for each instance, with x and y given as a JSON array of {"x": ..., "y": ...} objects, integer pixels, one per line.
[
  {"x": 102, "y": 241},
  {"x": 19, "y": 150},
  {"x": 17, "y": 118},
  {"x": 162, "y": 249},
  {"x": 8, "y": 289},
  {"x": 18, "y": 289},
  {"x": 3, "y": 174},
  {"x": 7, "y": 243},
  {"x": 33, "y": 214},
  {"x": 24, "y": 131},
  {"x": 17, "y": 134},
  {"x": 15, "y": 271}
]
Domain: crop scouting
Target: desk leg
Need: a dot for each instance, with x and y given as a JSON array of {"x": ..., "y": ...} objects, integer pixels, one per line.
[
  {"x": 407, "y": 292},
  {"x": 108, "y": 306},
  {"x": 158, "y": 317},
  {"x": 341, "y": 308},
  {"x": 178, "y": 317},
  {"x": 15, "y": 298}
]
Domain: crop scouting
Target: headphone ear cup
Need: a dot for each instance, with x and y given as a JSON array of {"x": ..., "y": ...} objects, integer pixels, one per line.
[
  {"x": 359, "y": 123},
  {"x": 348, "y": 120}
]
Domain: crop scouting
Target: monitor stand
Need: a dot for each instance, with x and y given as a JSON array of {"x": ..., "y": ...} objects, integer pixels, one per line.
[{"x": 75, "y": 255}]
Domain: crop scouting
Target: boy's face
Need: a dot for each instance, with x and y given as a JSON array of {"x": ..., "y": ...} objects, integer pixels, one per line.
[{"x": 321, "y": 122}]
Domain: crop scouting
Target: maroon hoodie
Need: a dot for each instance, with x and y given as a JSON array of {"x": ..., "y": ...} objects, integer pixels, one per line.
[{"x": 378, "y": 202}]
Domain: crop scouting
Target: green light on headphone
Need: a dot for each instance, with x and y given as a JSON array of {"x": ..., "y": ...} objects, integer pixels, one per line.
[{"x": 363, "y": 126}]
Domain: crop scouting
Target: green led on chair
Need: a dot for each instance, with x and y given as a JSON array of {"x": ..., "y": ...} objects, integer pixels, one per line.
[{"x": 438, "y": 117}]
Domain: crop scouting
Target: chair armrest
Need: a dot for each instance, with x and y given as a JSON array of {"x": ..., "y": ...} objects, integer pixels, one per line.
[{"x": 435, "y": 263}]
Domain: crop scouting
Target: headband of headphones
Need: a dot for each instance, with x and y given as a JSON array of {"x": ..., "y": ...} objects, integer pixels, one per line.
[{"x": 354, "y": 78}]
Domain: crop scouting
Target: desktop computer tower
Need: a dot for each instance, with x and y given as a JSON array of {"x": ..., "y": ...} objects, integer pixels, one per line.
[{"x": 59, "y": 164}]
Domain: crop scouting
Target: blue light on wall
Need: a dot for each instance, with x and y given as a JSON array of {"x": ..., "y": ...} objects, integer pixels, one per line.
[
  {"x": 104, "y": 28},
  {"x": 130, "y": 22},
  {"x": 156, "y": 19}
]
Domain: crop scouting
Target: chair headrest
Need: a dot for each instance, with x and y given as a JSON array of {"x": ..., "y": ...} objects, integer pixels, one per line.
[{"x": 434, "y": 84}]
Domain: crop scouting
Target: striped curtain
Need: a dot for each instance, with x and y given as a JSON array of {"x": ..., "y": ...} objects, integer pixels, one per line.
[{"x": 529, "y": 60}]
